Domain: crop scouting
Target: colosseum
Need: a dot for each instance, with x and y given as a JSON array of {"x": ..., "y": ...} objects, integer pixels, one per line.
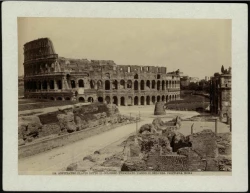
[{"x": 48, "y": 76}]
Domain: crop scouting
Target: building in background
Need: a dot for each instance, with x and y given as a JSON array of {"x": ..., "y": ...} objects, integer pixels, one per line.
[
  {"x": 48, "y": 76},
  {"x": 220, "y": 95}
]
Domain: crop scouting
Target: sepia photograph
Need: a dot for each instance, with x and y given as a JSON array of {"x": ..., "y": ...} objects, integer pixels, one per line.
[
  {"x": 124, "y": 97},
  {"x": 105, "y": 95}
]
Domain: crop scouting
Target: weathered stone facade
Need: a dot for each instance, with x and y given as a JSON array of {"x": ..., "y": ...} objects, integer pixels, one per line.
[
  {"x": 220, "y": 95},
  {"x": 51, "y": 77}
]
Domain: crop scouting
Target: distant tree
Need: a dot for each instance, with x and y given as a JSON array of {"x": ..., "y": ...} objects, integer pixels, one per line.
[{"x": 222, "y": 69}]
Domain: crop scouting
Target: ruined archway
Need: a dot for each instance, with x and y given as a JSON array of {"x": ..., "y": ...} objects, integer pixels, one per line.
[
  {"x": 158, "y": 98},
  {"x": 136, "y": 76},
  {"x": 130, "y": 101},
  {"x": 51, "y": 84},
  {"x": 122, "y": 101},
  {"x": 142, "y": 84},
  {"x": 107, "y": 85},
  {"x": 115, "y": 100},
  {"x": 100, "y": 99},
  {"x": 80, "y": 83},
  {"x": 45, "y": 84},
  {"x": 52, "y": 98},
  {"x": 122, "y": 84},
  {"x": 136, "y": 100},
  {"x": 142, "y": 100},
  {"x": 158, "y": 85},
  {"x": 148, "y": 100},
  {"x": 167, "y": 98},
  {"x": 107, "y": 99},
  {"x": 163, "y": 85},
  {"x": 129, "y": 84},
  {"x": 153, "y": 84},
  {"x": 153, "y": 99},
  {"x": 90, "y": 100},
  {"x": 99, "y": 84},
  {"x": 59, "y": 98},
  {"x": 136, "y": 85},
  {"x": 67, "y": 98},
  {"x": 167, "y": 84},
  {"x": 158, "y": 76},
  {"x": 148, "y": 84},
  {"x": 81, "y": 99},
  {"x": 115, "y": 85},
  {"x": 92, "y": 84},
  {"x": 170, "y": 97},
  {"x": 163, "y": 98},
  {"x": 73, "y": 84}
]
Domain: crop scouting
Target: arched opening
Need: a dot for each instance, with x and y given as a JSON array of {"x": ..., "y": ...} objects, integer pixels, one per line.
[
  {"x": 153, "y": 99},
  {"x": 153, "y": 84},
  {"x": 167, "y": 84},
  {"x": 59, "y": 98},
  {"x": 52, "y": 98},
  {"x": 45, "y": 84},
  {"x": 163, "y": 85},
  {"x": 158, "y": 99},
  {"x": 39, "y": 85},
  {"x": 73, "y": 84},
  {"x": 92, "y": 84},
  {"x": 148, "y": 84},
  {"x": 76, "y": 93},
  {"x": 142, "y": 100},
  {"x": 170, "y": 98},
  {"x": 130, "y": 101},
  {"x": 148, "y": 100},
  {"x": 142, "y": 84},
  {"x": 166, "y": 98},
  {"x": 136, "y": 100},
  {"x": 59, "y": 84},
  {"x": 51, "y": 84},
  {"x": 122, "y": 101},
  {"x": 136, "y": 85},
  {"x": 90, "y": 100},
  {"x": 107, "y": 99},
  {"x": 129, "y": 84},
  {"x": 158, "y": 85},
  {"x": 80, "y": 83},
  {"x": 100, "y": 99},
  {"x": 81, "y": 99},
  {"x": 136, "y": 76},
  {"x": 115, "y": 100},
  {"x": 107, "y": 85},
  {"x": 99, "y": 84},
  {"x": 67, "y": 98},
  {"x": 122, "y": 83},
  {"x": 115, "y": 84},
  {"x": 163, "y": 98},
  {"x": 158, "y": 76}
]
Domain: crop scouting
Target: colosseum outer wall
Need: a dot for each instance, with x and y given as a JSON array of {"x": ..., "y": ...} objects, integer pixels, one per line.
[{"x": 51, "y": 77}]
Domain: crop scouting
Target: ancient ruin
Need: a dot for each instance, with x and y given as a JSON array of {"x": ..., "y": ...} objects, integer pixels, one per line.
[
  {"x": 48, "y": 76},
  {"x": 160, "y": 108}
]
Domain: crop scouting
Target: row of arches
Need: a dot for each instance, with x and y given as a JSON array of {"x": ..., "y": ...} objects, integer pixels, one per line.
[
  {"x": 137, "y": 100},
  {"x": 43, "y": 85}
]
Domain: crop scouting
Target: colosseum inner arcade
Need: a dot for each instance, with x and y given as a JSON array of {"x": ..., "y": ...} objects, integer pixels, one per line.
[{"x": 48, "y": 76}]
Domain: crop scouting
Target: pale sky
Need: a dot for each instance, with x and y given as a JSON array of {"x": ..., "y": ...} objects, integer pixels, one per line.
[{"x": 198, "y": 47}]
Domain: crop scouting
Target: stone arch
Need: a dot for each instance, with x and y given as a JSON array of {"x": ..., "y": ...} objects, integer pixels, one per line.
[
  {"x": 80, "y": 83},
  {"x": 130, "y": 101},
  {"x": 166, "y": 98},
  {"x": 67, "y": 98},
  {"x": 167, "y": 84},
  {"x": 122, "y": 101},
  {"x": 170, "y": 97},
  {"x": 52, "y": 98},
  {"x": 59, "y": 84},
  {"x": 100, "y": 99},
  {"x": 39, "y": 85},
  {"x": 90, "y": 100},
  {"x": 158, "y": 98},
  {"x": 99, "y": 84},
  {"x": 122, "y": 84},
  {"x": 81, "y": 99},
  {"x": 129, "y": 84},
  {"x": 115, "y": 85},
  {"x": 148, "y": 100},
  {"x": 163, "y": 98},
  {"x": 153, "y": 99},
  {"x": 107, "y": 99},
  {"x": 51, "y": 84},
  {"x": 92, "y": 84},
  {"x": 153, "y": 84},
  {"x": 158, "y": 76},
  {"x": 142, "y": 100},
  {"x": 59, "y": 98},
  {"x": 73, "y": 83},
  {"x": 136, "y": 76},
  {"x": 142, "y": 84},
  {"x": 163, "y": 85},
  {"x": 148, "y": 83},
  {"x": 44, "y": 84},
  {"x": 136, "y": 86},
  {"x": 115, "y": 100},
  {"x": 158, "y": 85},
  {"x": 107, "y": 85},
  {"x": 136, "y": 101}
]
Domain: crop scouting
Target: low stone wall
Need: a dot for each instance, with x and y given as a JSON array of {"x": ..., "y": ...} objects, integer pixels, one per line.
[{"x": 48, "y": 144}]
